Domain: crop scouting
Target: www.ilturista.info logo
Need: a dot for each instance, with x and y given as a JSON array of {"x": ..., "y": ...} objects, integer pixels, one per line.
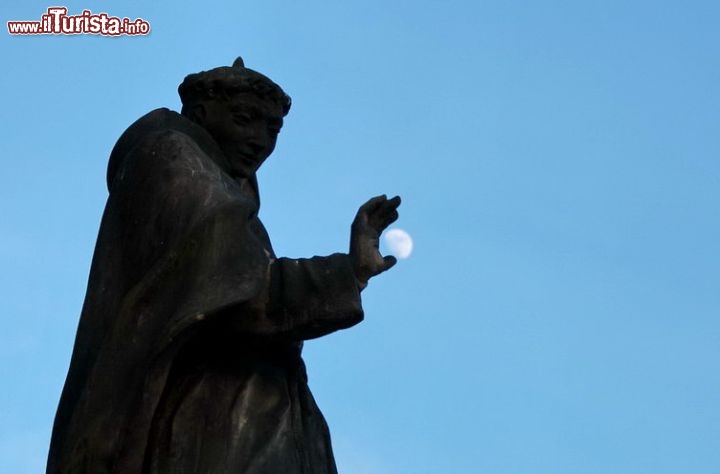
[{"x": 57, "y": 22}]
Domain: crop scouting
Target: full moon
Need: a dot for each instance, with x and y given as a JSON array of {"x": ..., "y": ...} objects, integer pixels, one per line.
[{"x": 399, "y": 243}]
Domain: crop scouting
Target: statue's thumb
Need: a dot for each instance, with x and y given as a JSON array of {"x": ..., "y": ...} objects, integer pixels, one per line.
[{"x": 390, "y": 261}]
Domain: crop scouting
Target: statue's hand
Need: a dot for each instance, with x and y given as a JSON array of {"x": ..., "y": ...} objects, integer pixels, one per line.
[{"x": 371, "y": 219}]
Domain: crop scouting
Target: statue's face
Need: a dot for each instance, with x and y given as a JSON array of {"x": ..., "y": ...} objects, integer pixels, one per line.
[{"x": 246, "y": 128}]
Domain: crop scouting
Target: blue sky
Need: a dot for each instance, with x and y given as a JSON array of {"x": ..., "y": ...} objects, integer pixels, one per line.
[{"x": 559, "y": 164}]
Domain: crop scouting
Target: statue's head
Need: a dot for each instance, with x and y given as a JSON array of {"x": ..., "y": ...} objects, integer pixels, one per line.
[{"x": 242, "y": 109}]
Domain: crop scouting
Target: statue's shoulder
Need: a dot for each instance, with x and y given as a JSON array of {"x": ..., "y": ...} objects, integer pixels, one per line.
[{"x": 160, "y": 141}]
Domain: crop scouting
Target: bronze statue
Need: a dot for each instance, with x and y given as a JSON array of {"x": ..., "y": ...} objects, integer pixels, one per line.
[{"x": 188, "y": 352}]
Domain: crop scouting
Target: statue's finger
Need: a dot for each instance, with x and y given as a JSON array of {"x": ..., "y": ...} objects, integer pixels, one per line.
[
  {"x": 367, "y": 211},
  {"x": 389, "y": 262},
  {"x": 388, "y": 219},
  {"x": 385, "y": 215},
  {"x": 372, "y": 204},
  {"x": 381, "y": 209},
  {"x": 389, "y": 206}
]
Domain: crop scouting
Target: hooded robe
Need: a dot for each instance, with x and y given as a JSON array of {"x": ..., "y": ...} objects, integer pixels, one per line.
[{"x": 187, "y": 355}]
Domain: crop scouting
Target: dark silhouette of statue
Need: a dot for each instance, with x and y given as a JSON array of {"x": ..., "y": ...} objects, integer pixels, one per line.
[{"x": 188, "y": 352}]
